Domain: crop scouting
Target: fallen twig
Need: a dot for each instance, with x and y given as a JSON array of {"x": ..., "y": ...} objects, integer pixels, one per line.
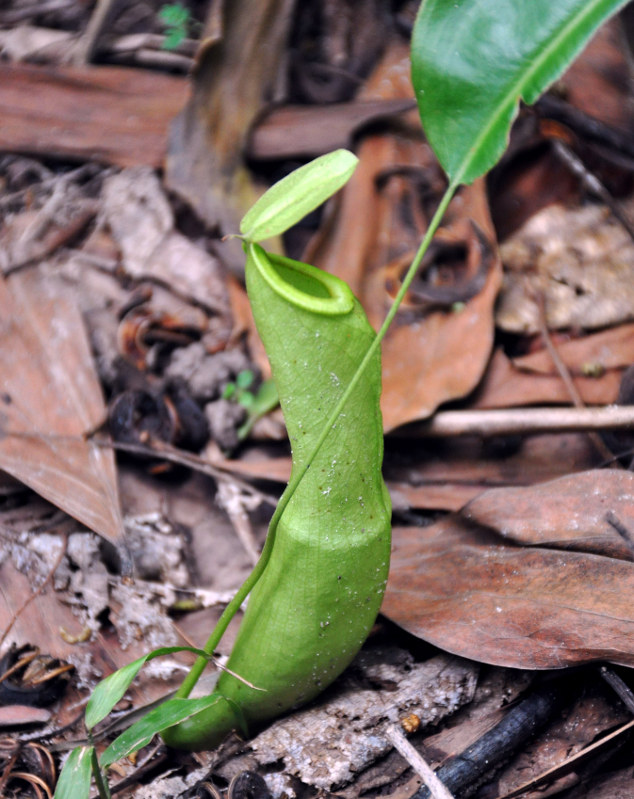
[
  {"x": 466, "y": 770},
  {"x": 446, "y": 424},
  {"x": 436, "y": 788}
]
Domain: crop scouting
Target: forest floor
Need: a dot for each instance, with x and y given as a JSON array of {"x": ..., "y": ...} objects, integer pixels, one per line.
[{"x": 142, "y": 450}]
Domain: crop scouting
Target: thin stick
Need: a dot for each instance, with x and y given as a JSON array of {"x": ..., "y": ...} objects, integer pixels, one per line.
[
  {"x": 565, "y": 375},
  {"x": 447, "y": 424},
  {"x": 623, "y": 690},
  {"x": 84, "y": 49},
  {"x": 436, "y": 788},
  {"x": 160, "y": 449},
  {"x": 231, "y": 500}
]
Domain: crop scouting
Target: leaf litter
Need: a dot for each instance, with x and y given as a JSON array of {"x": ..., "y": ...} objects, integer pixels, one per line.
[{"x": 531, "y": 574}]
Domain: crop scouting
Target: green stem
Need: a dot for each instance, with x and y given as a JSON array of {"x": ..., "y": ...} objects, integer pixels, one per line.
[
  {"x": 97, "y": 773},
  {"x": 298, "y": 476},
  {"x": 232, "y": 608}
]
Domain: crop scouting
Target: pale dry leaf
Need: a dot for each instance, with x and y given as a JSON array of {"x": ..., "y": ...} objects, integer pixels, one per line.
[
  {"x": 139, "y": 215},
  {"x": 50, "y": 400},
  {"x": 581, "y": 259}
]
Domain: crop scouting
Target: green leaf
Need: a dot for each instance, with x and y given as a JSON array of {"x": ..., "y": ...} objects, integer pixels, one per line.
[
  {"x": 246, "y": 399},
  {"x": 245, "y": 378},
  {"x": 174, "y": 15},
  {"x": 74, "y": 781},
  {"x": 173, "y": 39},
  {"x": 264, "y": 401},
  {"x": 109, "y": 691},
  {"x": 230, "y": 390},
  {"x": 166, "y": 715},
  {"x": 473, "y": 60},
  {"x": 296, "y": 195}
]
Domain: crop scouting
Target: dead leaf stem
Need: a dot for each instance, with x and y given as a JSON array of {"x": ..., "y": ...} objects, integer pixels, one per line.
[{"x": 564, "y": 373}]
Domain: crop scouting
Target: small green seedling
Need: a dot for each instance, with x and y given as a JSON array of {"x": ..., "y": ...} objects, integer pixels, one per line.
[
  {"x": 239, "y": 390},
  {"x": 177, "y": 20},
  {"x": 257, "y": 404},
  {"x": 319, "y": 582}
]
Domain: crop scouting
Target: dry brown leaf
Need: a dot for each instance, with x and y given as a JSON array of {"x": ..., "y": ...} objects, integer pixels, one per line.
[
  {"x": 50, "y": 400},
  {"x": 442, "y": 355},
  {"x": 296, "y": 131},
  {"x": 446, "y": 477},
  {"x": 505, "y": 385},
  {"x": 587, "y": 507},
  {"x": 595, "y": 353},
  {"x": 110, "y": 114},
  {"x": 465, "y": 589},
  {"x": 22, "y": 716}
]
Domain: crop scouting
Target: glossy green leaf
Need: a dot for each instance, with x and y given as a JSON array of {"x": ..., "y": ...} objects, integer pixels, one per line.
[
  {"x": 109, "y": 691},
  {"x": 290, "y": 199},
  {"x": 160, "y": 718},
  {"x": 74, "y": 781},
  {"x": 473, "y": 60}
]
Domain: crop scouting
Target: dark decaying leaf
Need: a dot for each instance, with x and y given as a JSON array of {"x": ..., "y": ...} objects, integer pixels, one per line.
[
  {"x": 50, "y": 399},
  {"x": 468, "y": 589}
]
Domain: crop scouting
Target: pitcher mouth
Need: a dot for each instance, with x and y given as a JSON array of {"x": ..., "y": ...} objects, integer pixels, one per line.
[{"x": 303, "y": 285}]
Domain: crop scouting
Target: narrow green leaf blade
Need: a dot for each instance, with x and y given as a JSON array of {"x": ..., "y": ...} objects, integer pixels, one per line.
[
  {"x": 74, "y": 781},
  {"x": 109, "y": 691},
  {"x": 166, "y": 715},
  {"x": 473, "y": 60},
  {"x": 290, "y": 199}
]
